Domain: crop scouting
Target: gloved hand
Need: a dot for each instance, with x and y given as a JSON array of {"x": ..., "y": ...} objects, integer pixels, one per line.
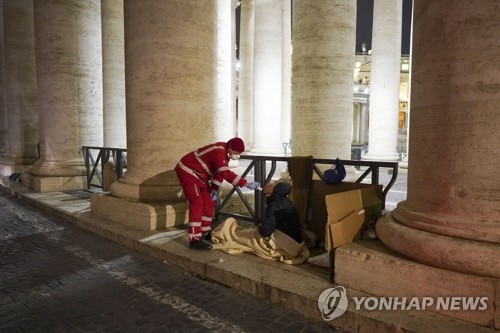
[
  {"x": 213, "y": 195},
  {"x": 252, "y": 185}
]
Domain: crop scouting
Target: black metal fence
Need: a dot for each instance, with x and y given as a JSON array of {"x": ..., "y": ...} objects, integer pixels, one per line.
[
  {"x": 95, "y": 160},
  {"x": 264, "y": 170}
]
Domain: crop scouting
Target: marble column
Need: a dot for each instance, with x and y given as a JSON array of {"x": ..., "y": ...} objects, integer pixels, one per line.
[
  {"x": 69, "y": 82},
  {"x": 451, "y": 216},
  {"x": 113, "y": 71},
  {"x": 4, "y": 131},
  {"x": 267, "y": 76},
  {"x": 385, "y": 79},
  {"x": 170, "y": 75},
  {"x": 224, "y": 114},
  {"x": 286, "y": 72},
  {"x": 322, "y": 69},
  {"x": 364, "y": 124},
  {"x": 20, "y": 86},
  {"x": 245, "y": 85}
]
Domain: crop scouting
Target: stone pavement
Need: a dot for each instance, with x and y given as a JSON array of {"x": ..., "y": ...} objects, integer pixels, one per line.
[
  {"x": 289, "y": 287},
  {"x": 55, "y": 277}
]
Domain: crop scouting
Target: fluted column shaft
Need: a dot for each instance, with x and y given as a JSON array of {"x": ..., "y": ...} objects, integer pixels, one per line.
[
  {"x": 385, "y": 79},
  {"x": 170, "y": 89},
  {"x": 113, "y": 68},
  {"x": 451, "y": 218},
  {"x": 224, "y": 113},
  {"x": 322, "y": 69},
  {"x": 286, "y": 72},
  {"x": 4, "y": 132},
  {"x": 69, "y": 78},
  {"x": 20, "y": 71},
  {"x": 267, "y": 76},
  {"x": 245, "y": 86}
]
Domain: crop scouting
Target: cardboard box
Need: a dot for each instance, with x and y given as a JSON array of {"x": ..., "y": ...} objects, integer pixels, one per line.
[
  {"x": 346, "y": 216},
  {"x": 318, "y": 215}
]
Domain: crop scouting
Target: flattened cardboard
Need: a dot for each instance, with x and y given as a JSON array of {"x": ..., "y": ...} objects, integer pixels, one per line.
[
  {"x": 345, "y": 218},
  {"x": 344, "y": 231},
  {"x": 372, "y": 202}
]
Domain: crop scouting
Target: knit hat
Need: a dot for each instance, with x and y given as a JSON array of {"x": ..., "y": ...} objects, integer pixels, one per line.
[{"x": 236, "y": 144}]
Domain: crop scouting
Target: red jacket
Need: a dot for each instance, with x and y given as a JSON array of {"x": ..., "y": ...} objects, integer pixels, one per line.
[{"x": 210, "y": 163}]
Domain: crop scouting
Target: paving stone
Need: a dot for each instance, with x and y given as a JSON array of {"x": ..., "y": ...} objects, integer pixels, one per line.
[{"x": 55, "y": 277}]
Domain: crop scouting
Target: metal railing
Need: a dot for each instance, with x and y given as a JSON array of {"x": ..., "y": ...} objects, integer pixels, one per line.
[
  {"x": 97, "y": 157},
  {"x": 262, "y": 175},
  {"x": 264, "y": 169}
]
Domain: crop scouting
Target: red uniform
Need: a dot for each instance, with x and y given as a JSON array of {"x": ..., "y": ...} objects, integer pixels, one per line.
[{"x": 199, "y": 172}]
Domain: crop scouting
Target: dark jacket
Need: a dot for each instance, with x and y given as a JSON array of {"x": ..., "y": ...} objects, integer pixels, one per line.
[{"x": 281, "y": 214}]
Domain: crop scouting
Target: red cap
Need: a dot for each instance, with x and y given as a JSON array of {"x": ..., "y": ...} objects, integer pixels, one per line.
[{"x": 236, "y": 144}]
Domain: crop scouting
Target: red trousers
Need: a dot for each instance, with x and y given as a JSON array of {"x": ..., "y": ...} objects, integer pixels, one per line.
[{"x": 201, "y": 206}]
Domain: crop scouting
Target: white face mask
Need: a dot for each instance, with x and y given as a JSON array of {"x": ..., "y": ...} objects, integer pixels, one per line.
[{"x": 234, "y": 157}]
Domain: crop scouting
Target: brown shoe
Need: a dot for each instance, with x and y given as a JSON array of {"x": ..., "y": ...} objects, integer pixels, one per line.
[{"x": 200, "y": 244}]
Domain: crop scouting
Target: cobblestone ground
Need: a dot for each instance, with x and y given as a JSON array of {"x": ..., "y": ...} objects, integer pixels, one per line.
[{"x": 55, "y": 277}]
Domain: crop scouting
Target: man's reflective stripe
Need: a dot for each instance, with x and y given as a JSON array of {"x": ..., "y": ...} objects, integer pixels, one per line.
[
  {"x": 209, "y": 149},
  {"x": 203, "y": 165},
  {"x": 206, "y": 218},
  {"x": 188, "y": 170},
  {"x": 236, "y": 180},
  {"x": 194, "y": 224},
  {"x": 198, "y": 154},
  {"x": 216, "y": 182}
]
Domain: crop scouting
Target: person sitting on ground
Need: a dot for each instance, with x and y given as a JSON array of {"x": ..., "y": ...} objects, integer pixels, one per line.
[
  {"x": 277, "y": 237},
  {"x": 280, "y": 212}
]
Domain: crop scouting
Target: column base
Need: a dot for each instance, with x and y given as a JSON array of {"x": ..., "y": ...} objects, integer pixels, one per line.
[
  {"x": 7, "y": 170},
  {"x": 145, "y": 216},
  {"x": 53, "y": 184},
  {"x": 370, "y": 267},
  {"x": 447, "y": 252}
]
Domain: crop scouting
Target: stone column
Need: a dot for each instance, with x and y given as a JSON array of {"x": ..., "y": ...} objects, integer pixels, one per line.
[
  {"x": 224, "y": 114},
  {"x": 245, "y": 86},
  {"x": 69, "y": 79},
  {"x": 286, "y": 72},
  {"x": 267, "y": 77},
  {"x": 322, "y": 69},
  {"x": 364, "y": 124},
  {"x": 20, "y": 86},
  {"x": 385, "y": 79},
  {"x": 451, "y": 216},
  {"x": 113, "y": 69},
  {"x": 356, "y": 123},
  {"x": 4, "y": 131},
  {"x": 170, "y": 87}
]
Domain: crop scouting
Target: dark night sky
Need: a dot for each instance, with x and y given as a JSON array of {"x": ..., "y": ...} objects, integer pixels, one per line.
[
  {"x": 364, "y": 24},
  {"x": 365, "y": 21}
]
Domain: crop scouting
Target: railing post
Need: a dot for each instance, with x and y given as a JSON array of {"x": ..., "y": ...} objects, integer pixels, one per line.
[
  {"x": 260, "y": 176},
  {"x": 119, "y": 163}
]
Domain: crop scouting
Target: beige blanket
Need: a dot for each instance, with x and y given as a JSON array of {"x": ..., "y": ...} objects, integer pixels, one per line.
[{"x": 234, "y": 239}]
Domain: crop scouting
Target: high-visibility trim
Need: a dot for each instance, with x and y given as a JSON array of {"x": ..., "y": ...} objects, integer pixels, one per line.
[
  {"x": 236, "y": 180},
  {"x": 206, "y": 218},
  {"x": 188, "y": 170},
  {"x": 194, "y": 224},
  {"x": 198, "y": 154},
  {"x": 216, "y": 182},
  {"x": 206, "y": 151},
  {"x": 203, "y": 165},
  {"x": 205, "y": 229}
]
